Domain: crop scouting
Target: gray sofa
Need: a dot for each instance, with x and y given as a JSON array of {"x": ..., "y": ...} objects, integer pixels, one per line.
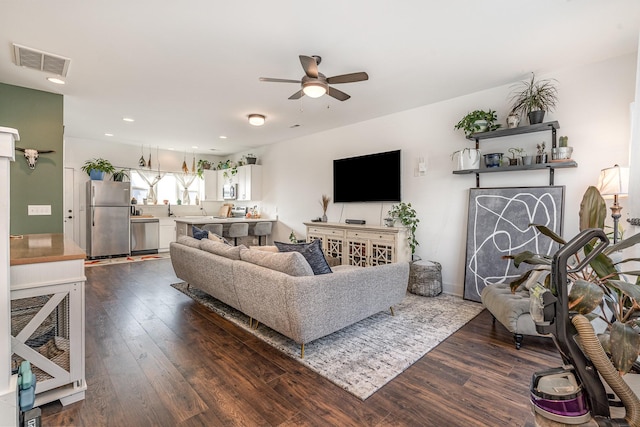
[{"x": 280, "y": 290}]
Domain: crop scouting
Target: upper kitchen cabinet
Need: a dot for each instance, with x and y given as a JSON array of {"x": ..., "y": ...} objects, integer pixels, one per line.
[
  {"x": 210, "y": 178},
  {"x": 249, "y": 182}
]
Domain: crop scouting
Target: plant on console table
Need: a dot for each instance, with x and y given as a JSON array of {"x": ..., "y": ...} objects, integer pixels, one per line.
[
  {"x": 325, "y": 204},
  {"x": 96, "y": 168},
  {"x": 407, "y": 216}
]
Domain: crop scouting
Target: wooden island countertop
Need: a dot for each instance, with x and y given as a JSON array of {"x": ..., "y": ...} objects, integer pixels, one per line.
[{"x": 39, "y": 248}]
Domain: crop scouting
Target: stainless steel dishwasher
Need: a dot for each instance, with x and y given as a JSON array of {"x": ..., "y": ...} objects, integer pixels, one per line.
[{"x": 145, "y": 235}]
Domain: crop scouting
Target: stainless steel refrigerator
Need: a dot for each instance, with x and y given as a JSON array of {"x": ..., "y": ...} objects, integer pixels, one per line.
[{"x": 108, "y": 218}]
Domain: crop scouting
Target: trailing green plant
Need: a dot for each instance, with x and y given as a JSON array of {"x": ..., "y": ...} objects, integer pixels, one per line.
[
  {"x": 517, "y": 152},
  {"x": 470, "y": 125},
  {"x": 600, "y": 290},
  {"x": 407, "y": 216},
  {"x": 120, "y": 175},
  {"x": 203, "y": 165},
  {"x": 98, "y": 164},
  {"x": 532, "y": 95}
]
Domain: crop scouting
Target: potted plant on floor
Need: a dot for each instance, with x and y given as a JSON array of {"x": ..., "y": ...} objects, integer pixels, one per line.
[
  {"x": 407, "y": 216},
  {"x": 478, "y": 121},
  {"x": 599, "y": 290},
  {"x": 96, "y": 168},
  {"x": 532, "y": 98}
]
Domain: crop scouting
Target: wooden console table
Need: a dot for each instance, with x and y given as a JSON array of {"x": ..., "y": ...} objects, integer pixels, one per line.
[
  {"x": 47, "y": 314},
  {"x": 360, "y": 245}
]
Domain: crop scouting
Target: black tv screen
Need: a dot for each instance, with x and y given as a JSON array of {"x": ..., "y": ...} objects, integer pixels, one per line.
[{"x": 370, "y": 178}]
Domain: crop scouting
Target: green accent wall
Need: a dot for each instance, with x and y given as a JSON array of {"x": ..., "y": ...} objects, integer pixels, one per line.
[{"x": 38, "y": 117}]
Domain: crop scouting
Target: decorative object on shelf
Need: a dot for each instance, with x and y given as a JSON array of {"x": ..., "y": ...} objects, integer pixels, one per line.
[
  {"x": 478, "y": 121},
  {"x": 513, "y": 120},
  {"x": 388, "y": 222},
  {"x": 405, "y": 213},
  {"x": 96, "y": 168},
  {"x": 31, "y": 155},
  {"x": 541, "y": 156},
  {"x": 120, "y": 175},
  {"x": 142, "y": 162},
  {"x": 468, "y": 158},
  {"x": 251, "y": 159},
  {"x": 527, "y": 160},
  {"x": 516, "y": 156},
  {"x": 614, "y": 182},
  {"x": 149, "y": 161},
  {"x": 533, "y": 98},
  {"x": 562, "y": 152},
  {"x": 325, "y": 204},
  {"x": 493, "y": 160}
]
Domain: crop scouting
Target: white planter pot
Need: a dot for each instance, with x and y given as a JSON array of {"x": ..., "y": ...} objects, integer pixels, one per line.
[{"x": 469, "y": 158}]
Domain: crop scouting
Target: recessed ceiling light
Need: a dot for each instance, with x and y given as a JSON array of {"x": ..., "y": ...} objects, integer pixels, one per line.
[
  {"x": 56, "y": 80},
  {"x": 194, "y": 146},
  {"x": 171, "y": 149},
  {"x": 108, "y": 134},
  {"x": 222, "y": 137},
  {"x": 256, "y": 119},
  {"x": 128, "y": 119}
]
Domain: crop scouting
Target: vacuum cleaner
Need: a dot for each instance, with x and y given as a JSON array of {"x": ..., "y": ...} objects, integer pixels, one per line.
[{"x": 575, "y": 394}]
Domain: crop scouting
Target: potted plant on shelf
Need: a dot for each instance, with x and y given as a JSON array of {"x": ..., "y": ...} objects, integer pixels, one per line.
[
  {"x": 478, "y": 121},
  {"x": 96, "y": 168},
  {"x": 516, "y": 154},
  {"x": 541, "y": 156},
  {"x": 532, "y": 98},
  {"x": 119, "y": 176},
  {"x": 203, "y": 165},
  {"x": 251, "y": 159},
  {"x": 562, "y": 152},
  {"x": 407, "y": 216}
]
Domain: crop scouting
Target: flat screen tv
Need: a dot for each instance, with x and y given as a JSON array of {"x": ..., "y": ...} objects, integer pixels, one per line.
[{"x": 369, "y": 178}]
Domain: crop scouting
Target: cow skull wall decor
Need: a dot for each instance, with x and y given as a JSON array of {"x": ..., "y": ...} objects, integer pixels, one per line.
[{"x": 32, "y": 155}]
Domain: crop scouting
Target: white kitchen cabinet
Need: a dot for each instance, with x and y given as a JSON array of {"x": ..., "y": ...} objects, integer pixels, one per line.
[
  {"x": 361, "y": 245},
  {"x": 210, "y": 178},
  {"x": 167, "y": 234},
  {"x": 249, "y": 182}
]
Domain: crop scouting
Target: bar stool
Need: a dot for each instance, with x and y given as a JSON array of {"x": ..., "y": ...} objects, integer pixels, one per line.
[
  {"x": 213, "y": 228},
  {"x": 238, "y": 229},
  {"x": 262, "y": 229}
]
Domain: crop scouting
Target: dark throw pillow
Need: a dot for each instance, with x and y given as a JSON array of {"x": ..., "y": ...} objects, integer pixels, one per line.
[
  {"x": 198, "y": 233},
  {"x": 312, "y": 252}
]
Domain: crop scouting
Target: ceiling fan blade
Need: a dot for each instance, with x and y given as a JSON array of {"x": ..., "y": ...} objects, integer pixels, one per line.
[
  {"x": 337, "y": 94},
  {"x": 310, "y": 66},
  {"x": 299, "y": 94},
  {"x": 268, "y": 79},
  {"x": 348, "y": 78}
]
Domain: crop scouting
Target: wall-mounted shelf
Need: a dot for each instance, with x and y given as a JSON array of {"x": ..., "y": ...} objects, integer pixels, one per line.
[{"x": 541, "y": 127}]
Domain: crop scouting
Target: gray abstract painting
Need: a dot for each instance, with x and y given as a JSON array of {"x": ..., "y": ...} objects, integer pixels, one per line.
[{"x": 498, "y": 225}]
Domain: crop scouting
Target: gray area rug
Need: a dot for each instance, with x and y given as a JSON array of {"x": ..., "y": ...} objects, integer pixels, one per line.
[{"x": 365, "y": 356}]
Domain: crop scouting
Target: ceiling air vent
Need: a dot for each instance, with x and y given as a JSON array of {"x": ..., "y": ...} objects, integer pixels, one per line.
[{"x": 39, "y": 60}]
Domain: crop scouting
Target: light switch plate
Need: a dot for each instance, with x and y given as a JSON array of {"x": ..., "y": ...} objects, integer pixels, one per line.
[{"x": 39, "y": 209}]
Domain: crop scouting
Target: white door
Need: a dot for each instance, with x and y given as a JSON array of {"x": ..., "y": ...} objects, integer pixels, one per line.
[{"x": 69, "y": 216}]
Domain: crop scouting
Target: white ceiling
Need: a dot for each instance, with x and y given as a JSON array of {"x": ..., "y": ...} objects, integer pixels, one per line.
[{"x": 187, "y": 71}]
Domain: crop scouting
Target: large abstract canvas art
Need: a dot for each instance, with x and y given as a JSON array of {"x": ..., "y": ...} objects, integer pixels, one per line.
[{"x": 499, "y": 224}]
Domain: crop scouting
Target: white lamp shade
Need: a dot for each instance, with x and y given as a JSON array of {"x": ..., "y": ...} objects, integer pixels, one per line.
[
  {"x": 314, "y": 90},
  {"x": 614, "y": 181}
]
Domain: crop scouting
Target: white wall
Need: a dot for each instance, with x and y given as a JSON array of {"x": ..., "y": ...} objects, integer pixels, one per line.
[{"x": 593, "y": 111}]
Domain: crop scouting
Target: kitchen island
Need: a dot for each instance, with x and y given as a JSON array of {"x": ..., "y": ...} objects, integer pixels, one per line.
[
  {"x": 48, "y": 314},
  {"x": 183, "y": 224}
]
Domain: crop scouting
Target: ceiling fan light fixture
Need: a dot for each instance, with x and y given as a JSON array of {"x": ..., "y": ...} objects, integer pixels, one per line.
[
  {"x": 256, "y": 119},
  {"x": 314, "y": 89}
]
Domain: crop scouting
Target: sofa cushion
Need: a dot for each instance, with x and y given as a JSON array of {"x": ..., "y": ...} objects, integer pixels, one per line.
[
  {"x": 291, "y": 263},
  {"x": 199, "y": 233},
  {"x": 312, "y": 253},
  {"x": 189, "y": 241},
  {"x": 217, "y": 238},
  {"x": 265, "y": 248},
  {"x": 221, "y": 249}
]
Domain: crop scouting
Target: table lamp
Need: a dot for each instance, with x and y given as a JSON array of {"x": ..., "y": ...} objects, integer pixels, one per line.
[{"x": 614, "y": 182}]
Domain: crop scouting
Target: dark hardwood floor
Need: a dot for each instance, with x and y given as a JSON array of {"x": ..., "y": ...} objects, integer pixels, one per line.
[{"x": 154, "y": 357}]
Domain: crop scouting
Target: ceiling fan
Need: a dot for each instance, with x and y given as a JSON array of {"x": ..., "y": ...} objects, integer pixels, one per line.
[{"x": 315, "y": 84}]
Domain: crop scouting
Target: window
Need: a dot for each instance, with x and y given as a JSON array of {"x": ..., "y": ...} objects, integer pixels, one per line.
[{"x": 168, "y": 186}]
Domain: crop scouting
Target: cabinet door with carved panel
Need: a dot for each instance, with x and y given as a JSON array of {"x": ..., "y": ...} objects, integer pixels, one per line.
[
  {"x": 382, "y": 252},
  {"x": 369, "y": 248},
  {"x": 358, "y": 252},
  {"x": 332, "y": 242}
]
